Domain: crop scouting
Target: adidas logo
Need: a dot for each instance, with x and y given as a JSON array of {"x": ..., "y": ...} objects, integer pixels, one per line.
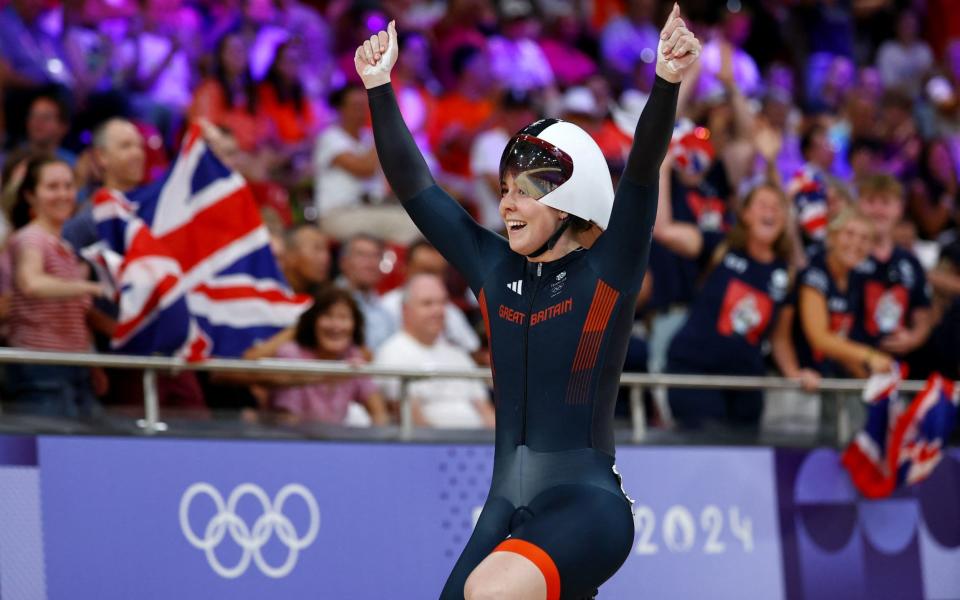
[{"x": 516, "y": 286}]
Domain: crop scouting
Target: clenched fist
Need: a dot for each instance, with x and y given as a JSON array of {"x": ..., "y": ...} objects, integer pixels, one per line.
[
  {"x": 678, "y": 48},
  {"x": 375, "y": 58}
]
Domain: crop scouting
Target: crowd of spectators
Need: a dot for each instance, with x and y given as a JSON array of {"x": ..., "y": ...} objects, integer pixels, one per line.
[{"x": 808, "y": 220}]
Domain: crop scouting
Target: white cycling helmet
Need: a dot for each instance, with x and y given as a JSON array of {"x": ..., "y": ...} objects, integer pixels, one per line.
[{"x": 560, "y": 165}]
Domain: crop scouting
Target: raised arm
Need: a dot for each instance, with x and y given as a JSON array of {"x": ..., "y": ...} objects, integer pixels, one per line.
[
  {"x": 677, "y": 51},
  {"x": 621, "y": 253},
  {"x": 402, "y": 162},
  {"x": 464, "y": 243}
]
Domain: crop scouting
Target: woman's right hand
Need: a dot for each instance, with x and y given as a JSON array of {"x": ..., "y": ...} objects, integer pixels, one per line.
[{"x": 374, "y": 59}]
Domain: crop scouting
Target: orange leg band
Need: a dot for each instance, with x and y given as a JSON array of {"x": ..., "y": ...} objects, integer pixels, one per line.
[{"x": 541, "y": 559}]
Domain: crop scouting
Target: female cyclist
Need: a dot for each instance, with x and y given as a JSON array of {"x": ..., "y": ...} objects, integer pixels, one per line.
[{"x": 556, "y": 523}]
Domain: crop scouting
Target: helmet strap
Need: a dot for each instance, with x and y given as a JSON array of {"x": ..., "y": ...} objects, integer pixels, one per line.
[{"x": 552, "y": 240}]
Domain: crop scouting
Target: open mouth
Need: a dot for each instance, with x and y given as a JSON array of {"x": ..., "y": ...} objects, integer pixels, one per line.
[{"x": 515, "y": 225}]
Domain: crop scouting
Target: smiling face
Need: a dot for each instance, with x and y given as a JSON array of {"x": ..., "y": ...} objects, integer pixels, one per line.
[
  {"x": 765, "y": 216},
  {"x": 334, "y": 329},
  {"x": 529, "y": 223},
  {"x": 55, "y": 195},
  {"x": 850, "y": 243},
  {"x": 885, "y": 209}
]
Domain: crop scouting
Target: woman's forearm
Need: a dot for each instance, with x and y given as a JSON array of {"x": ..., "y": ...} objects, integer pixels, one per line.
[
  {"x": 41, "y": 285},
  {"x": 653, "y": 133},
  {"x": 402, "y": 162}
]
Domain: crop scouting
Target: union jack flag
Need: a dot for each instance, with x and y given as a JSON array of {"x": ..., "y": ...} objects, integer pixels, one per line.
[
  {"x": 189, "y": 260},
  {"x": 809, "y": 192},
  {"x": 900, "y": 445}
]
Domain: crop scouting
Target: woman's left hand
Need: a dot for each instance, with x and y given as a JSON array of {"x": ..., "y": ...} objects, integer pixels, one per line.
[
  {"x": 678, "y": 48},
  {"x": 809, "y": 380}
]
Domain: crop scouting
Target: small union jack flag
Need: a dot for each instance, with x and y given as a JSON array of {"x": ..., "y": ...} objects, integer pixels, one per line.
[
  {"x": 900, "y": 445},
  {"x": 808, "y": 189}
]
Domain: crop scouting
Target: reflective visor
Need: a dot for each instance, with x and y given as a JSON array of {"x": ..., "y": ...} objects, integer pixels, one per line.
[{"x": 538, "y": 166}]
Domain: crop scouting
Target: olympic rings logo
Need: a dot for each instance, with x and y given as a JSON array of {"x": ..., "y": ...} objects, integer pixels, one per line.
[{"x": 250, "y": 539}]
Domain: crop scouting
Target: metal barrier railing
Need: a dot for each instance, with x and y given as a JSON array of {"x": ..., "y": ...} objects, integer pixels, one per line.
[{"x": 151, "y": 365}]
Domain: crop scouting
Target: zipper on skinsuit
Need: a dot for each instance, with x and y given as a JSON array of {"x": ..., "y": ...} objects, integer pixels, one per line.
[{"x": 526, "y": 352}]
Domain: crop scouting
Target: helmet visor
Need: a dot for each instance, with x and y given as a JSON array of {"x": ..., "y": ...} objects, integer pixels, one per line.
[{"x": 537, "y": 166}]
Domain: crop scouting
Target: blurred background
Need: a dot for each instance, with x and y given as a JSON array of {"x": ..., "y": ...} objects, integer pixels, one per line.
[
  {"x": 200, "y": 256},
  {"x": 822, "y": 135}
]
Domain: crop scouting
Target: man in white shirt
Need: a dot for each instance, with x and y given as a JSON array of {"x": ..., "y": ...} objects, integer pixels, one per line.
[
  {"x": 345, "y": 161},
  {"x": 424, "y": 258},
  {"x": 442, "y": 402},
  {"x": 349, "y": 188},
  {"x": 905, "y": 61}
]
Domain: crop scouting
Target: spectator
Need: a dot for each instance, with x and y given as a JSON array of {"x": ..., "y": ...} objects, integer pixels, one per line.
[
  {"x": 691, "y": 222},
  {"x": 416, "y": 89},
  {"x": 31, "y": 59},
  {"x": 905, "y": 61},
  {"x": 349, "y": 188},
  {"x": 424, "y": 258},
  {"x": 733, "y": 32},
  {"x": 778, "y": 114},
  {"x": 282, "y": 97},
  {"x": 420, "y": 344},
  {"x": 729, "y": 116},
  {"x": 735, "y": 312},
  {"x": 307, "y": 28},
  {"x": 829, "y": 301},
  {"x": 51, "y": 297},
  {"x": 515, "y": 112},
  {"x": 942, "y": 352},
  {"x": 833, "y": 80},
  {"x": 516, "y": 59},
  {"x": 630, "y": 39},
  {"x": 462, "y": 26},
  {"x": 11, "y": 211},
  {"x": 864, "y": 157},
  {"x": 933, "y": 194},
  {"x": 896, "y": 304},
  {"x": 306, "y": 259},
  {"x": 828, "y": 28},
  {"x": 360, "y": 274},
  {"x": 48, "y": 122},
  {"x": 464, "y": 111},
  {"x": 118, "y": 150},
  {"x": 229, "y": 97},
  {"x": 331, "y": 329},
  {"x": 345, "y": 162},
  {"x": 900, "y": 136},
  {"x": 89, "y": 52},
  {"x": 157, "y": 58},
  {"x": 808, "y": 188},
  {"x": 31, "y": 55},
  {"x": 570, "y": 64}
]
